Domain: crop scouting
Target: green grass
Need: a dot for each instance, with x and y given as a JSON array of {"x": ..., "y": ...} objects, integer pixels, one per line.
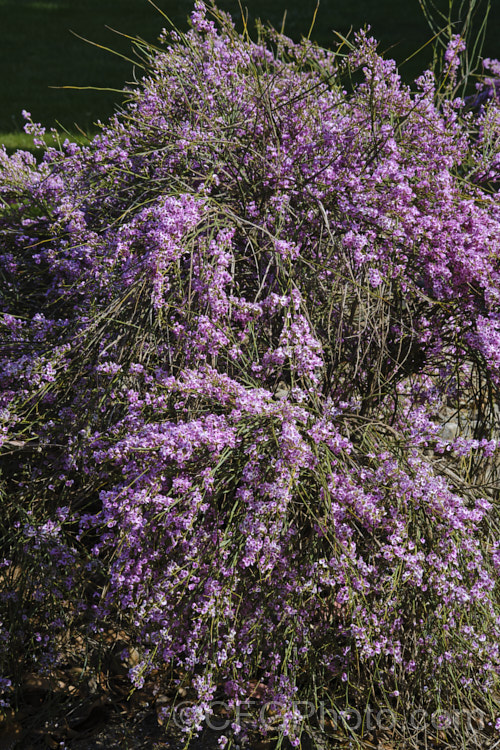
[
  {"x": 20, "y": 140},
  {"x": 16, "y": 140},
  {"x": 38, "y": 50}
]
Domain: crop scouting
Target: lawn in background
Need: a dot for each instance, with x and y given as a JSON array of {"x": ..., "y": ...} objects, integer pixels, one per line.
[{"x": 39, "y": 51}]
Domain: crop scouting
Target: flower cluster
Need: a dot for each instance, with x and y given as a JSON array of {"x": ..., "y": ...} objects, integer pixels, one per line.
[{"x": 233, "y": 329}]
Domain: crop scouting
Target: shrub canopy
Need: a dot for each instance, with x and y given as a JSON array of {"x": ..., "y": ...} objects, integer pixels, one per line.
[{"x": 249, "y": 379}]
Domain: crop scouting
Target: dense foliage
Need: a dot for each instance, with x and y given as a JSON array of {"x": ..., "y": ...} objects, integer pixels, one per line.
[{"x": 249, "y": 380}]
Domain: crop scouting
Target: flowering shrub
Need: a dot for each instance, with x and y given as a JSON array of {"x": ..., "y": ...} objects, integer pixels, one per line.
[{"x": 233, "y": 328}]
